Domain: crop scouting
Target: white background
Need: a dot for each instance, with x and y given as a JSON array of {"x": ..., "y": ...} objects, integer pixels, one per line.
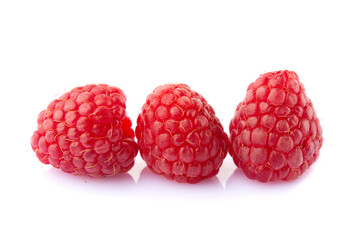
[{"x": 216, "y": 47}]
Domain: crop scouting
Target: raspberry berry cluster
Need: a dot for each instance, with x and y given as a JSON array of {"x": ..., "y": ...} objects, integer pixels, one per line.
[
  {"x": 179, "y": 135},
  {"x": 86, "y": 132},
  {"x": 274, "y": 134}
]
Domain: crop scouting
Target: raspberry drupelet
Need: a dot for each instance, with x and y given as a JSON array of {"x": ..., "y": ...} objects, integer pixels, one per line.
[
  {"x": 86, "y": 132},
  {"x": 179, "y": 135},
  {"x": 275, "y": 133}
]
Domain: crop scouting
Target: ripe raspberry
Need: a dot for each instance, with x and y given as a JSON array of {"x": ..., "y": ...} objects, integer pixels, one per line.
[
  {"x": 179, "y": 135},
  {"x": 86, "y": 131},
  {"x": 275, "y": 133}
]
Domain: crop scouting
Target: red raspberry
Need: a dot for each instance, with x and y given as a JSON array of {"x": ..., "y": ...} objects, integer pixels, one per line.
[
  {"x": 179, "y": 135},
  {"x": 275, "y": 133},
  {"x": 86, "y": 131}
]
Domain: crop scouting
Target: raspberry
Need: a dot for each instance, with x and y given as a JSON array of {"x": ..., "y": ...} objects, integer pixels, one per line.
[
  {"x": 179, "y": 135},
  {"x": 275, "y": 133},
  {"x": 86, "y": 131}
]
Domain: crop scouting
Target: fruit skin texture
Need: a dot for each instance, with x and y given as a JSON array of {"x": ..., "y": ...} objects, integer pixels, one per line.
[
  {"x": 86, "y": 132},
  {"x": 179, "y": 135},
  {"x": 275, "y": 133}
]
